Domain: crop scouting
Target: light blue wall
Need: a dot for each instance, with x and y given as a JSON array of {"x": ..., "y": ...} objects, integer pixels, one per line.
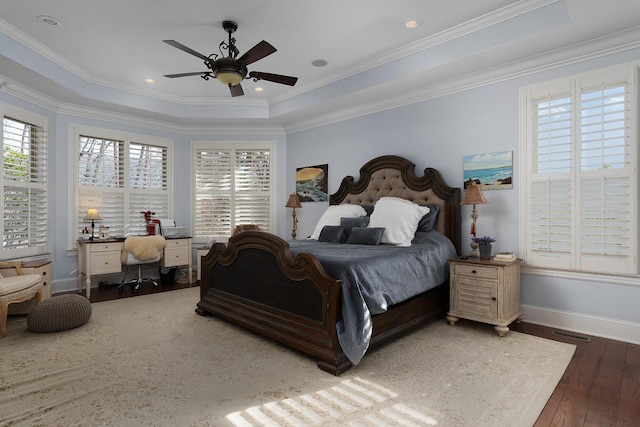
[{"x": 438, "y": 133}]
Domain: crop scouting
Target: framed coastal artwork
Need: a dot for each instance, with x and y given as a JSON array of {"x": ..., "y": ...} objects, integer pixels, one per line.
[
  {"x": 312, "y": 183},
  {"x": 491, "y": 170}
]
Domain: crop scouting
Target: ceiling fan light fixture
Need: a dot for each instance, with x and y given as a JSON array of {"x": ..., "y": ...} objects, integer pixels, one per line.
[
  {"x": 229, "y": 71},
  {"x": 229, "y": 77}
]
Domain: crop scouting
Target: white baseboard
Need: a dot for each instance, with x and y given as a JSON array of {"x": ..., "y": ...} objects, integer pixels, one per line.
[{"x": 590, "y": 325}]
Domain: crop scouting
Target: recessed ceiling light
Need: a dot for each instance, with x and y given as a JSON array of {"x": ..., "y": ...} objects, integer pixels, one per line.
[
  {"x": 319, "y": 63},
  {"x": 48, "y": 20},
  {"x": 149, "y": 81},
  {"x": 258, "y": 89},
  {"x": 412, "y": 23}
]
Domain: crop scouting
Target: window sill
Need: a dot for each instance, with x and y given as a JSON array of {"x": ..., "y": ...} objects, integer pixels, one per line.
[{"x": 619, "y": 279}]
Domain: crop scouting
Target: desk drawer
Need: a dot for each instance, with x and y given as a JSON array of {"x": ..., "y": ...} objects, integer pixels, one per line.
[
  {"x": 176, "y": 243},
  {"x": 476, "y": 271},
  {"x": 107, "y": 247},
  {"x": 175, "y": 256},
  {"x": 105, "y": 262}
]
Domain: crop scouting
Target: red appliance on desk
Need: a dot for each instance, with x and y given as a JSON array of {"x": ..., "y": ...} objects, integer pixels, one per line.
[{"x": 154, "y": 227}]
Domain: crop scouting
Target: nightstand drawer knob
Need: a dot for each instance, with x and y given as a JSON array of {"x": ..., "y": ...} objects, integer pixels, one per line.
[
  {"x": 493, "y": 298},
  {"x": 473, "y": 271}
]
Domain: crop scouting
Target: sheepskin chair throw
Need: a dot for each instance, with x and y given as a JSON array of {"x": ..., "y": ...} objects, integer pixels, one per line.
[{"x": 144, "y": 248}]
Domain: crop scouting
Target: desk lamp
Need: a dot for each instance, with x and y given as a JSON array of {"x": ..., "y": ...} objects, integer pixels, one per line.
[{"x": 92, "y": 215}]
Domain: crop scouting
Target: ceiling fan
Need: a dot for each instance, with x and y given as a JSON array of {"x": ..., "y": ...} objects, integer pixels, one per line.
[{"x": 231, "y": 70}]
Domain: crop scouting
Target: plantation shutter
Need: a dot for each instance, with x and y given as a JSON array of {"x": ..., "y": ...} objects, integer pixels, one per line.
[
  {"x": 25, "y": 209},
  {"x": 581, "y": 189},
  {"x": 550, "y": 196},
  {"x": 232, "y": 187},
  {"x": 605, "y": 179},
  {"x": 213, "y": 185},
  {"x": 101, "y": 182},
  {"x": 253, "y": 188},
  {"x": 148, "y": 184}
]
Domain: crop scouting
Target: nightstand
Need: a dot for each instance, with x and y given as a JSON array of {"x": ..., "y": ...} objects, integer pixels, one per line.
[{"x": 485, "y": 291}]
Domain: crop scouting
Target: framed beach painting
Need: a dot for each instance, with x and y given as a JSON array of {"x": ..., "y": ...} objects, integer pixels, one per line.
[
  {"x": 491, "y": 170},
  {"x": 312, "y": 183}
]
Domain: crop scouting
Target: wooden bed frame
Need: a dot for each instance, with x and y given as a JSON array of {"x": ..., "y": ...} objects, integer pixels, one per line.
[{"x": 253, "y": 281}]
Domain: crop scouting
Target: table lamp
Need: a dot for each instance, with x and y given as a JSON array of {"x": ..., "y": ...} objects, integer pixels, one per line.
[
  {"x": 473, "y": 196},
  {"x": 294, "y": 202}
]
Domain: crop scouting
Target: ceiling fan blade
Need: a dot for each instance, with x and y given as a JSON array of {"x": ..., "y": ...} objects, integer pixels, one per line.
[
  {"x": 236, "y": 90},
  {"x": 196, "y": 73},
  {"x": 276, "y": 78},
  {"x": 257, "y": 52},
  {"x": 185, "y": 49}
]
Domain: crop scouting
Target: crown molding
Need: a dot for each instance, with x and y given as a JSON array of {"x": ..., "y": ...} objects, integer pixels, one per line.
[{"x": 27, "y": 94}]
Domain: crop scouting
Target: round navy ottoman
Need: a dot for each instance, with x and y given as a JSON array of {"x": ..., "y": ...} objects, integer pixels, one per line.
[{"x": 59, "y": 313}]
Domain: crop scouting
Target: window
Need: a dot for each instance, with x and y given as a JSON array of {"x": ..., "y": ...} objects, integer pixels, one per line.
[
  {"x": 232, "y": 186},
  {"x": 24, "y": 188},
  {"x": 581, "y": 182},
  {"x": 121, "y": 176}
]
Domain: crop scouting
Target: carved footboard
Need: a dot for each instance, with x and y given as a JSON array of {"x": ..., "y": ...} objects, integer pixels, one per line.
[{"x": 256, "y": 283}]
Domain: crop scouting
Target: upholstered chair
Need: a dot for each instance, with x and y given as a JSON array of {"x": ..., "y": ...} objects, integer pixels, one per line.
[{"x": 16, "y": 289}]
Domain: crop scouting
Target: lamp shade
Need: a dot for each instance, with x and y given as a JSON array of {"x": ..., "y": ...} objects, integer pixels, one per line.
[
  {"x": 293, "y": 202},
  {"x": 473, "y": 196},
  {"x": 92, "y": 214}
]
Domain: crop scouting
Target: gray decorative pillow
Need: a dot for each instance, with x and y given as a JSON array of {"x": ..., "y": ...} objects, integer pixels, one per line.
[
  {"x": 368, "y": 209},
  {"x": 365, "y": 236},
  {"x": 332, "y": 234},
  {"x": 429, "y": 221},
  {"x": 349, "y": 223}
]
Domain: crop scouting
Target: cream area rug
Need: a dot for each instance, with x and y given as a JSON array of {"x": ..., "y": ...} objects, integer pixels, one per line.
[{"x": 151, "y": 361}]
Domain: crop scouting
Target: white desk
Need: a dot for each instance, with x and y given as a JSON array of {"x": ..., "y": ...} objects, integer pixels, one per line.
[{"x": 96, "y": 257}]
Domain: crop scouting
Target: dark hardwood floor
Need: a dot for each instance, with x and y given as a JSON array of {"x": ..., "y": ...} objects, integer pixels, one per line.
[{"x": 601, "y": 386}]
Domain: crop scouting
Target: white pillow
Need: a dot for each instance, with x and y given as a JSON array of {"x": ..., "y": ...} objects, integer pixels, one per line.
[
  {"x": 333, "y": 214},
  {"x": 399, "y": 218}
]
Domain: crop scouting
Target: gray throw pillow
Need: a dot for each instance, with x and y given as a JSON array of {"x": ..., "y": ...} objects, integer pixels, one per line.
[
  {"x": 365, "y": 236},
  {"x": 332, "y": 234},
  {"x": 429, "y": 221},
  {"x": 350, "y": 223}
]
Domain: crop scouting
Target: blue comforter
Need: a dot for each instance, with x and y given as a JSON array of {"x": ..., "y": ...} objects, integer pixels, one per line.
[{"x": 375, "y": 277}]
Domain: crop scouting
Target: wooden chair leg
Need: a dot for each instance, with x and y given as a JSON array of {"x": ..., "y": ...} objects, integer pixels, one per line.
[{"x": 4, "y": 311}]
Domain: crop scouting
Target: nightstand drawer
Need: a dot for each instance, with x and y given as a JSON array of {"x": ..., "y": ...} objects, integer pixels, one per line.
[{"x": 477, "y": 271}]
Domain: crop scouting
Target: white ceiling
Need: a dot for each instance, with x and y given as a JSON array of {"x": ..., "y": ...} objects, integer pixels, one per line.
[{"x": 101, "y": 52}]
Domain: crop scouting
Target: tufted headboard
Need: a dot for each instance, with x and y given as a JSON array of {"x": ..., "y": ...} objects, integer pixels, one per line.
[{"x": 394, "y": 176}]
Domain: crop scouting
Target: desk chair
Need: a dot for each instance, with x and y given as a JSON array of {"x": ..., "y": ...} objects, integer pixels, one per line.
[{"x": 139, "y": 251}]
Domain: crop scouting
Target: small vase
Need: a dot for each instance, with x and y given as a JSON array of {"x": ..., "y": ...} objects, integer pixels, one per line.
[{"x": 485, "y": 251}]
